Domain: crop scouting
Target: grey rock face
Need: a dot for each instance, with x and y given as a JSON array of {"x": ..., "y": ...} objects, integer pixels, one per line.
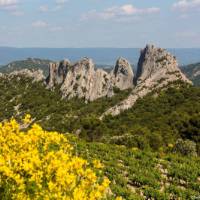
[
  {"x": 57, "y": 73},
  {"x": 83, "y": 81},
  {"x": 156, "y": 70},
  {"x": 155, "y": 64},
  {"x": 122, "y": 75},
  {"x": 36, "y": 75}
]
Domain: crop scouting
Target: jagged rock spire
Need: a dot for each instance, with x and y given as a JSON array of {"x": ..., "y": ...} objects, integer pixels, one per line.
[
  {"x": 157, "y": 68},
  {"x": 57, "y": 73},
  {"x": 123, "y": 74},
  {"x": 83, "y": 81}
]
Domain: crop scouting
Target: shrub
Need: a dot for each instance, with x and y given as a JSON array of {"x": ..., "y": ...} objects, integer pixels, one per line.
[
  {"x": 155, "y": 140},
  {"x": 128, "y": 140},
  {"x": 185, "y": 147},
  {"x": 36, "y": 164}
]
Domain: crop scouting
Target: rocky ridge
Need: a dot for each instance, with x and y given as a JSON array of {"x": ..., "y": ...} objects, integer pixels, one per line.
[
  {"x": 35, "y": 75},
  {"x": 157, "y": 68},
  {"x": 82, "y": 80}
]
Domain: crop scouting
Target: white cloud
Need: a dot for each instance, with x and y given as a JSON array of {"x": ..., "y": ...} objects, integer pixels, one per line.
[
  {"x": 44, "y": 8},
  {"x": 61, "y": 1},
  {"x": 5, "y": 3},
  {"x": 185, "y": 5},
  {"x": 127, "y": 10},
  {"x": 11, "y": 6},
  {"x": 40, "y": 24},
  {"x": 131, "y": 10},
  {"x": 59, "y": 4}
]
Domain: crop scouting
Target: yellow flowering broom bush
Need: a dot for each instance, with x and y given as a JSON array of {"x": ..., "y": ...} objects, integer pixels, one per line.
[{"x": 36, "y": 164}]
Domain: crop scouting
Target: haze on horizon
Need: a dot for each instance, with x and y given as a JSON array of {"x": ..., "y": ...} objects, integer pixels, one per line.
[{"x": 100, "y": 23}]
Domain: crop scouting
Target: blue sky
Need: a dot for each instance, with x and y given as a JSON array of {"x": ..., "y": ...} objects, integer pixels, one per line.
[{"x": 99, "y": 23}]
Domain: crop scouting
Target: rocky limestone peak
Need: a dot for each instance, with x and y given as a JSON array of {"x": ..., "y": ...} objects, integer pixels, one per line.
[
  {"x": 156, "y": 63},
  {"x": 85, "y": 64},
  {"x": 123, "y": 74},
  {"x": 83, "y": 81},
  {"x": 157, "y": 69},
  {"x": 57, "y": 72}
]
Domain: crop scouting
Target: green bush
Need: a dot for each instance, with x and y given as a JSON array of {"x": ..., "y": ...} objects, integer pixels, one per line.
[{"x": 185, "y": 147}]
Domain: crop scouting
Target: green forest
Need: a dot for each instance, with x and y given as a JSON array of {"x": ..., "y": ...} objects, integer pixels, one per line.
[{"x": 149, "y": 151}]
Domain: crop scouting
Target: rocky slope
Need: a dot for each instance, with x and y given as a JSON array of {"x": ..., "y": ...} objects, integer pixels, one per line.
[
  {"x": 156, "y": 69},
  {"x": 35, "y": 75},
  {"x": 82, "y": 80}
]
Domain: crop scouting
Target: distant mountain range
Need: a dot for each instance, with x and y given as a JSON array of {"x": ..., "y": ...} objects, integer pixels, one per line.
[{"x": 99, "y": 55}]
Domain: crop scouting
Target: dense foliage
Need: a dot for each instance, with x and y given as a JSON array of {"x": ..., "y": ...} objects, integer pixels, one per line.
[
  {"x": 168, "y": 123},
  {"x": 137, "y": 175},
  {"x": 36, "y": 164},
  {"x": 154, "y": 122},
  {"x": 160, "y": 120}
]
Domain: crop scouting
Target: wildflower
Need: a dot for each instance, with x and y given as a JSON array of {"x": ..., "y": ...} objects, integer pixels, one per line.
[
  {"x": 97, "y": 164},
  {"x": 27, "y": 119},
  {"x": 37, "y": 164}
]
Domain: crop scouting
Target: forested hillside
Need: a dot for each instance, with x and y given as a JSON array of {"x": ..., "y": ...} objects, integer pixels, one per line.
[
  {"x": 144, "y": 150},
  {"x": 192, "y": 72},
  {"x": 154, "y": 121}
]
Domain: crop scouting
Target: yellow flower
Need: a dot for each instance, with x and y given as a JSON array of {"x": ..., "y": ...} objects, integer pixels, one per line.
[
  {"x": 97, "y": 164},
  {"x": 27, "y": 119},
  {"x": 37, "y": 164}
]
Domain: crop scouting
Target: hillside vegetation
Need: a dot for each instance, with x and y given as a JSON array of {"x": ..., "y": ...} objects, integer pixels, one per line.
[
  {"x": 192, "y": 72},
  {"x": 153, "y": 122},
  {"x": 137, "y": 175},
  {"x": 149, "y": 151},
  {"x": 36, "y": 164}
]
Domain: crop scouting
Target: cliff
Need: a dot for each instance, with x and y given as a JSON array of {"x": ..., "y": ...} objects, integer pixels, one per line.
[{"x": 82, "y": 80}]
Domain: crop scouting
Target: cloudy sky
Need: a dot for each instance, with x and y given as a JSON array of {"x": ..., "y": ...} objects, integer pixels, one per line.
[{"x": 99, "y": 23}]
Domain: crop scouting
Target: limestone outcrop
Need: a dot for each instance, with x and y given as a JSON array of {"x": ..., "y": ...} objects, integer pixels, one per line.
[
  {"x": 156, "y": 70},
  {"x": 36, "y": 75},
  {"x": 82, "y": 80},
  {"x": 156, "y": 64},
  {"x": 122, "y": 74},
  {"x": 57, "y": 73}
]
